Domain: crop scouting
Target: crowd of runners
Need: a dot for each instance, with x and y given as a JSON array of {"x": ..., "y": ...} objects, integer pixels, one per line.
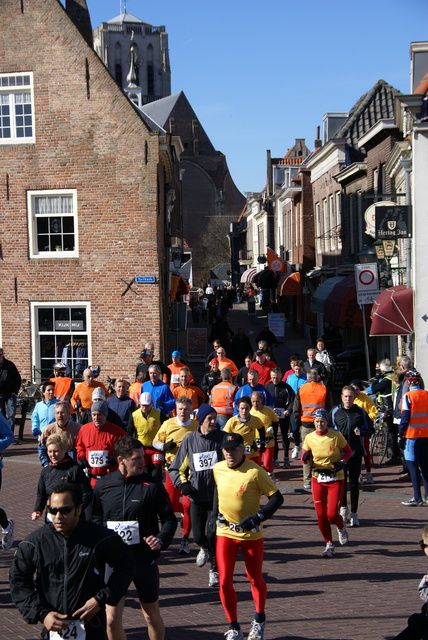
[{"x": 167, "y": 449}]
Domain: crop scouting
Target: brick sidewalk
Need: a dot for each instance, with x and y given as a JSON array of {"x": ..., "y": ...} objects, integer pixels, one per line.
[{"x": 365, "y": 592}]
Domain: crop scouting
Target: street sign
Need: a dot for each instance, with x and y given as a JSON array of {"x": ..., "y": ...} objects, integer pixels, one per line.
[
  {"x": 366, "y": 282},
  {"x": 393, "y": 222},
  {"x": 145, "y": 279}
]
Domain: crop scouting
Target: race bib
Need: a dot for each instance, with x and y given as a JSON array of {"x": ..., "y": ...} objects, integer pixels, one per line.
[
  {"x": 175, "y": 378},
  {"x": 158, "y": 458},
  {"x": 235, "y": 527},
  {"x": 74, "y": 631},
  {"x": 247, "y": 449},
  {"x": 279, "y": 412},
  {"x": 323, "y": 477},
  {"x": 128, "y": 530},
  {"x": 204, "y": 460},
  {"x": 98, "y": 458}
]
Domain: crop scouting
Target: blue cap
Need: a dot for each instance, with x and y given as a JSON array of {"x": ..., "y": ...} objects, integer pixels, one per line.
[
  {"x": 176, "y": 354},
  {"x": 320, "y": 413}
]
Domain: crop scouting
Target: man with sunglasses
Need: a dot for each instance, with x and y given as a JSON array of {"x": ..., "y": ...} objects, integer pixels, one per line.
[{"x": 69, "y": 557}]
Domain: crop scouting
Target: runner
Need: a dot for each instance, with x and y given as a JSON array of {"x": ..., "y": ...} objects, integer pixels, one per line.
[
  {"x": 191, "y": 472},
  {"x": 249, "y": 427},
  {"x": 240, "y": 485},
  {"x": 132, "y": 504},
  {"x": 268, "y": 417},
  {"x": 329, "y": 452},
  {"x": 168, "y": 439},
  {"x": 144, "y": 424}
]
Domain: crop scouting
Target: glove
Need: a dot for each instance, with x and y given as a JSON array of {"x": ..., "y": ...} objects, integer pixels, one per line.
[
  {"x": 378, "y": 375},
  {"x": 36, "y": 431},
  {"x": 337, "y": 466},
  {"x": 262, "y": 447},
  {"x": 186, "y": 488},
  {"x": 83, "y": 462},
  {"x": 269, "y": 431},
  {"x": 169, "y": 445},
  {"x": 250, "y": 522},
  {"x": 306, "y": 456},
  {"x": 402, "y": 442}
]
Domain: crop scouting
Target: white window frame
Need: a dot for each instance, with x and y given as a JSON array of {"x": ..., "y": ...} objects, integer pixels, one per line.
[
  {"x": 35, "y": 333},
  {"x": 11, "y": 85},
  {"x": 332, "y": 223},
  {"x": 318, "y": 249},
  {"x": 32, "y": 227}
]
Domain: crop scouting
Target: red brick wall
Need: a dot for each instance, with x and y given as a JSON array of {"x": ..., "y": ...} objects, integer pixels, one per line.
[{"x": 96, "y": 145}]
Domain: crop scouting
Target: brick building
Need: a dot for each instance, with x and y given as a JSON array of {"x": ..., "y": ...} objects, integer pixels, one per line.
[{"x": 82, "y": 193}]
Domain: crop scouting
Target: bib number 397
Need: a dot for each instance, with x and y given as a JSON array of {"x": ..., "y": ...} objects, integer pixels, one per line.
[{"x": 74, "y": 631}]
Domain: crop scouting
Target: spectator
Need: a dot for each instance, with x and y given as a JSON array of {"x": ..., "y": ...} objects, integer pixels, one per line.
[{"x": 10, "y": 383}]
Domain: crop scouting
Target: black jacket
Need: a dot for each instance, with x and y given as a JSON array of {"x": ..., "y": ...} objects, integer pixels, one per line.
[
  {"x": 346, "y": 420},
  {"x": 282, "y": 394},
  {"x": 69, "y": 571},
  {"x": 10, "y": 380},
  {"x": 117, "y": 497},
  {"x": 210, "y": 379},
  {"x": 66, "y": 471}
]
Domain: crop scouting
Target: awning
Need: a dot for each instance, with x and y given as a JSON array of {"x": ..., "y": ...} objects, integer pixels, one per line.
[
  {"x": 179, "y": 287},
  {"x": 265, "y": 279},
  {"x": 392, "y": 312},
  {"x": 246, "y": 275},
  {"x": 290, "y": 285},
  {"x": 322, "y": 292},
  {"x": 341, "y": 308}
]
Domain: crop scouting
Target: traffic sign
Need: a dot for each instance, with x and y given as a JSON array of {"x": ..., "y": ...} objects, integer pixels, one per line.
[
  {"x": 367, "y": 282},
  {"x": 145, "y": 279}
]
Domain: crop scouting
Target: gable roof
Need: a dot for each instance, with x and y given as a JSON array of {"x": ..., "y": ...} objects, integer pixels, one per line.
[
  {"x": 160, "y": 110},
  {"x": 126, "y": 17},
  {"x": 376, "y": 104}
]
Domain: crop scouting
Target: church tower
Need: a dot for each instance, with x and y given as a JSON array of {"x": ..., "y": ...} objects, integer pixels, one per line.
[{"x": 136, "y": 53}]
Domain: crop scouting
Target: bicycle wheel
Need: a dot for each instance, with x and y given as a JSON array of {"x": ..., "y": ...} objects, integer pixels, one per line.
[{"x": 378, "y": 445}]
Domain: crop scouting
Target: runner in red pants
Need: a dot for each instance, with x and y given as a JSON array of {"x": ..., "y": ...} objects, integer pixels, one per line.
[
  {"x": 240, "y": 484},
  {"x": 330, "y": 452}
]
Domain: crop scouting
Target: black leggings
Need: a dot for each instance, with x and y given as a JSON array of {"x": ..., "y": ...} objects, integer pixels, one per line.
[
  {"x": 352, "y": 471},
  {"x": 200, "y": 514},
  {"x": 284, "y": 425}
]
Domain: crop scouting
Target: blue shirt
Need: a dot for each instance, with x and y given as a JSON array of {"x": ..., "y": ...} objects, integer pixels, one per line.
[
  {"x": 247, "y": 390},
  {"x": 122, "y": 407},
  {"x": 6, "y": 436},
  {"x": 42, "y": 415},
  {"x": 162, "y": 397},
  {"x": 296, "y": 382}
]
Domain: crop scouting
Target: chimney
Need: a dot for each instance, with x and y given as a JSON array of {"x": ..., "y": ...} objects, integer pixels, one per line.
[
  {"x": 318, "y": 141},
  {"x": 78, "y": 12}
]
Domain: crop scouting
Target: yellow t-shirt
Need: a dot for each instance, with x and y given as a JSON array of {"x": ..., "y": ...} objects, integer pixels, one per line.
[
  {"x": 267, "y": 416},
  {"x": 171, "y": 430},
  {"x": 248, "y": 430},
  {"x": 326, "y": 449},
  {"x": 365, "y": 402},
  {"x": 239, "y": 493},
  {"x": 147, "y": 428}
]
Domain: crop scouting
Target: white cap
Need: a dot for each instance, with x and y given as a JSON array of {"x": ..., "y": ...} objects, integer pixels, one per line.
[{"x": 146, "y": 398}]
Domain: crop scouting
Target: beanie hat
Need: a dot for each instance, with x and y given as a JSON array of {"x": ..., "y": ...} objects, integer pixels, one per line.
[
  {"x": 98, "y": 394},
  {"x": 101, "y": 407},
  {"x": 203, "y": 411}
]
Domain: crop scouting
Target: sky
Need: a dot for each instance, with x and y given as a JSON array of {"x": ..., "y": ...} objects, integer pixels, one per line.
[{"x": 261, "y": 73}]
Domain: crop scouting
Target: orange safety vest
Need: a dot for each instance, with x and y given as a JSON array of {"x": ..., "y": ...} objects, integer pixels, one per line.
[
  {"x": 134, "y": 392},
  {"x": 418, "y": 423},
  {"x": 62, "y": 388},
  {"x": 312, "y": 397},
  {"x": 222, "y": 397}
]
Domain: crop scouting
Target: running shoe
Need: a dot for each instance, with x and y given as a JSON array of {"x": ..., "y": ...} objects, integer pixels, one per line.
[
  {"x": 256, "y": 631},
  {"x": 413, "y": 503},
  {"x": 276, "y": 463},
  {"x": 329, "y": 550},
  {"x": 7, "y": 535},
  {"x": 295, "y": 453},
  {"x": 287, "y": 464},
  {"x": 272, "y": 477},
  {"x": 213, "y": 579},
  {"x": 184, "y": 547},
  {"x": 344, "y": 512},
  {"x": 234, "y": 634},
  {"x": 342, "y": 534},
  {"x": 369, "y": 478},
  {"x": 353, "y": 520},
  {"x": 307, "y": 486},
  {"x": 202, "y": 557}
]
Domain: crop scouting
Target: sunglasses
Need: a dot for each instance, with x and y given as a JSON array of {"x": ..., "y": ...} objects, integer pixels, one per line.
[
  {"x": 64, "y": 511},
  {"x": 423, "y": 545}
]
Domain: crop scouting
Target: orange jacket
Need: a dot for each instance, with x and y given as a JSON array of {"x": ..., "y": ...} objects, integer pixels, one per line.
[
  {"x": 312, "y": 396},
  {"x": 175, "y": 371},
  {"x": 134, "y": 392},
  {"x": 83, "y": 394},
  {"x": 418, "y": 423},
  {"x": 196, "y": 395},
  {"x": 228, "y": 363},
  {"x": 222, "y": 397}
]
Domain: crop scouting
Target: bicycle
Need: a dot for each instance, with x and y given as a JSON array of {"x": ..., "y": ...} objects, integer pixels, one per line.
[
  {"x": 381, "y": 441},
  {"x": 28, "y": 396}
]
